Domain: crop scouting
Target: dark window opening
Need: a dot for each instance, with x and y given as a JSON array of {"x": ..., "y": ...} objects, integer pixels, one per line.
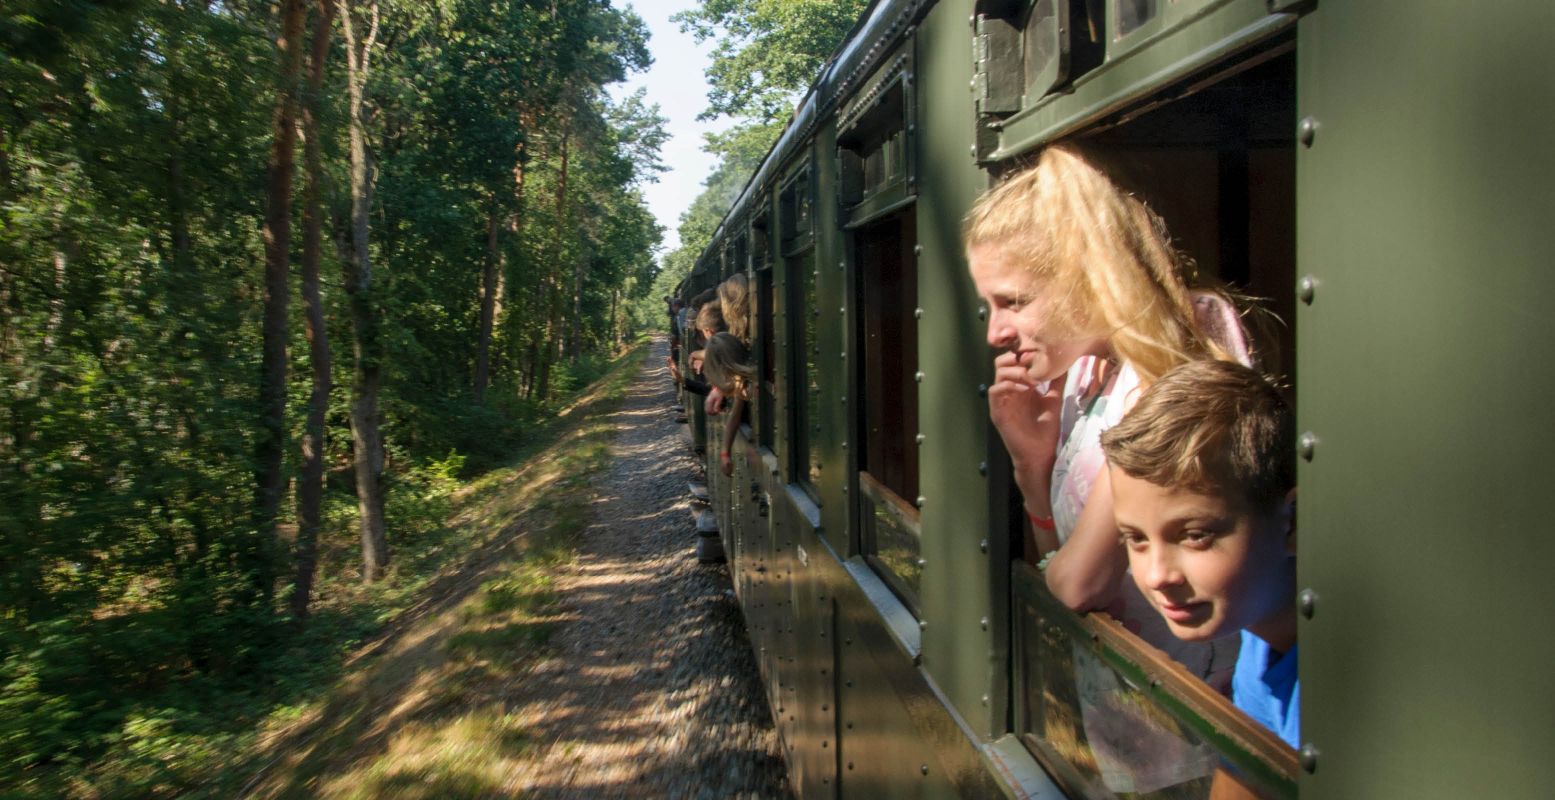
[
  {"x": 1106, "y": 712},
  {"x": 887, "y": 281},
  {"x": 766, "y": 353},
  {"x": 798, "y": 251}
]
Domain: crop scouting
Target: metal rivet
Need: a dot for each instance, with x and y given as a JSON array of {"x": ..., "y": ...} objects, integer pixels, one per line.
[
  {"x": 919, "y": 438},
  {"x": 982, "y": 312},
  {"x": 923, "y": 624},
  {"x": 983, "y": 622},
  {"x": 924, "y": 769},
  {"x": 922, "y": 563},
  {"x": 982, "y": 546},
  {"x": 1308, "y": 757},
  {"x": 985, "y": 699},
  {"x": 850, "y": 763},
  {"x": 843, "y": 354},
  {"x": 842, "y": 310},
  {"x": 921, "y": 500},
  {"x": 1306, "y": 288},
  {"x": 972, "y": 84},
  {"x": 1306, "y": 131},
  {"x": 917, "y": 313},
  {"x": 982, "y": 389},
  {"x": 1307, "y": 603},
  {"x": 982, "y": 467},
  {"x": 972, "y": 149},
  {"x": 917, "y": 249},
  {"x": 918, "y": 376},
  {"x": 1307, "y": 446}
]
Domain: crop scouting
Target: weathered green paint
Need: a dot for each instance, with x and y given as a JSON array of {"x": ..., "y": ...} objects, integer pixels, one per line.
[
  {"x": 1424, "y": 212},
  {"x": 954, "y": 360}
]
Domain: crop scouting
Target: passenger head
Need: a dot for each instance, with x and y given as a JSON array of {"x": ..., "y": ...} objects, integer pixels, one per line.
[
  {"x": 1065, "y": 258},
  {"x": 1203, "y": 490},
  {"x": 734, "y": 297},
  {"x": 727, "y": 364},
  {"x": 710, "y": 319}
]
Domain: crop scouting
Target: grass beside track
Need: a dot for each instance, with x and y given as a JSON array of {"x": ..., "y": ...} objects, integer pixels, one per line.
[
  {"x": 419, "y": 713},
  {"x": 393, "y": 690}
]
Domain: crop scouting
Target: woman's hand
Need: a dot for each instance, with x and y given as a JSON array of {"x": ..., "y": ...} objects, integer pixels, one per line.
[
  {"x": 726, "y": 463},
  {"x": 1027, "y": 421},
  {"x": 714, "y": 403}
]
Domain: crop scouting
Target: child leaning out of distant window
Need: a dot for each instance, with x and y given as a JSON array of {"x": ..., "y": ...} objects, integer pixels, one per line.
[{"x": 1204, "y": 488}]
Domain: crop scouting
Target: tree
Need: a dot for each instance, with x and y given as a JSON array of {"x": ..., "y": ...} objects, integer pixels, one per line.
[
  {"x": 367, "y": 445},
  {"x": 310, "y": 483},
  {"x": 270, "y": 478}
]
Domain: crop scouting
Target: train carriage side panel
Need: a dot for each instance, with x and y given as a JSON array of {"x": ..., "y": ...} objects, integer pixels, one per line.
[
  {"x": 1425, "y": 208},
  {"x": 958, "y": 638}
]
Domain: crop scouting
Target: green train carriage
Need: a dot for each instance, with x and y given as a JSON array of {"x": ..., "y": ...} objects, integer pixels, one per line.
[{"x": 1378, "y": 170}]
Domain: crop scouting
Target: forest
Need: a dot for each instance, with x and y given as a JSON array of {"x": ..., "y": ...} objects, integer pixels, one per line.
[{"x": 276, "y": 278}]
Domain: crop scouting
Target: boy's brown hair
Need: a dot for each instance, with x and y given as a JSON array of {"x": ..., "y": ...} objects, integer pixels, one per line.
[
  {"x": 1210, "y": 427},
  {"x": 711, "y": 317}
]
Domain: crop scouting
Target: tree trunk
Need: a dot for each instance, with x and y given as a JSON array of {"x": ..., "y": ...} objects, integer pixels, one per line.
[
  {"x": 553, "y": 283},
  {"x": 488, "y": 303},
  {"x": 270, "y": 479},
  {"x": 310, "y": 490},
  {"x": 366, "y": 345}
]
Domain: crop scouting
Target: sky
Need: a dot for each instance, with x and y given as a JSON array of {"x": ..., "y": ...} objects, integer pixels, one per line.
[{"x": 676, "y": 83}]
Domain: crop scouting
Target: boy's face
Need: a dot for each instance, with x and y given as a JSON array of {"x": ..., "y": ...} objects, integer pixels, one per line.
[{"x": 1208, "y": 567}]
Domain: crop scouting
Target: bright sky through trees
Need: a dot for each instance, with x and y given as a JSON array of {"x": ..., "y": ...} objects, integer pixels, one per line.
[{"x": 676, "y": 82}]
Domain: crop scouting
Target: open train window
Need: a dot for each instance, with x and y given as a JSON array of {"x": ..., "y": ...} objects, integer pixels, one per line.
[
  {"x": 887, "y": 293},
  {"x": 796, "y": 222},
  {"x": 766, "y": 353},
  {"x": 1108, "y": 712},
  {"x": 877, "y": 186}
]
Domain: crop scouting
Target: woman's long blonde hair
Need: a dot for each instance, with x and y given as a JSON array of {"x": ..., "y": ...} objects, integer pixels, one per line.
[
  {"x": 734, "y": 296},
  {"x": 1108, "y": 257},
  {"x": 726, "y": 363}
]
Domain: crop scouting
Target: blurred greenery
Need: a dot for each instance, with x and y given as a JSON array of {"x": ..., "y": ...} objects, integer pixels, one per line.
[{"x": 134, "y": 138}]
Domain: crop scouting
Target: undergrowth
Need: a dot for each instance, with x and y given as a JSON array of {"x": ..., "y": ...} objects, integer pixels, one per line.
[{"x": 310, "y": 692}]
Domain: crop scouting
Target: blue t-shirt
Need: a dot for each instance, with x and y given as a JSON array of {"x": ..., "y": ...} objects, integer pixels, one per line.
[{"x": 1265, "y": 686}]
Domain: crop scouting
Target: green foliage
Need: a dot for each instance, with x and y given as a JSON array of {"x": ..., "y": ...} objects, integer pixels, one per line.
[
  {"x": 767, "y": 55},
  {"x": 768, "y": 51},
  {"x": 134, "y": 135}
]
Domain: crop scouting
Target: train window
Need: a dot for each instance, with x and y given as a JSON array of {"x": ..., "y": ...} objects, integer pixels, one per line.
[
  {"x": 887, "y": 280},
  {"x": 766, "y": 354},
  {"x": 1104, "y": 710},
  {"x": 1129, "y": 15},
  {"x": 797, "y": 226}
]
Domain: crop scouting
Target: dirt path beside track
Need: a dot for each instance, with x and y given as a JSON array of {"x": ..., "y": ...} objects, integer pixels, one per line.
[{"x": 652, "y": 689}]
